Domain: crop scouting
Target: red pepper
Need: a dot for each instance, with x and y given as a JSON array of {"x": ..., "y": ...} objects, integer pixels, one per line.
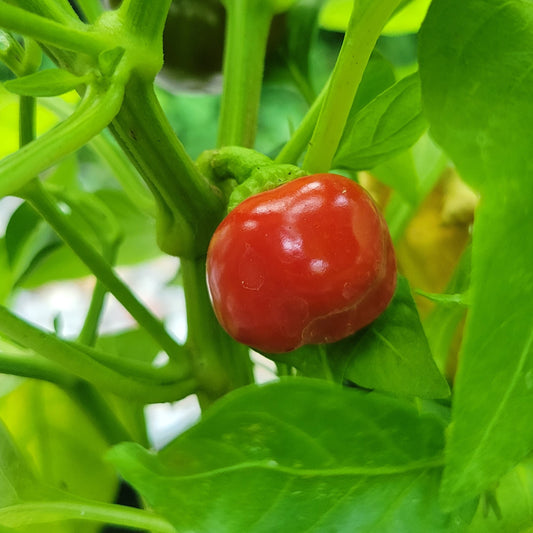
[{"x": 309, "y": 262}]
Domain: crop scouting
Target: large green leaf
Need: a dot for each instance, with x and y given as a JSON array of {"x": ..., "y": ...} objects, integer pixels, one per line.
[
  {"x": 389, "y": 124},
  {"x": 475, "y": 66},
  {"x": 298, "y": 455}
]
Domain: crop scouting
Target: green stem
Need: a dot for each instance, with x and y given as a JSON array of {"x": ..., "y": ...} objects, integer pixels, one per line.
[
  {"x": 146, "y": 25},
  {"x": 220, "y": 363},
  {"x": 189, "y": 207},
  {"x": 32, "y": 366},
  {"x": 32, "y": 513},
  {"x": 247, "y": 26},
  {"x": 365, "y": 25},
  {"x": 47, "y": 208},
  {"x": 27, "y": 107},
  {"x": 92, "y": 116},
  {"x": 80, "y": 364},
  {"x": 133, "y": 368},
  {"x": 89, "y": 331},
  {"x": 45, "y": 30}
]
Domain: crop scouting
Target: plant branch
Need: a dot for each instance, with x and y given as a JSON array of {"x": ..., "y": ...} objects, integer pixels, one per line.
[
  {"x": 92, "y": 116},
  {"x": 220, "y": 363},
  {"x": 365, "y": 25},
  {"x": 189, "y": 207},
  {"x": 146, "y": 25},
  {"x": 82, "y": 365},
  {"x": 33, "y": 366},
  {"x": 247, "y": 27},
  {"x": 45, "y": 30},
  {"x": 158, "y": 375}
]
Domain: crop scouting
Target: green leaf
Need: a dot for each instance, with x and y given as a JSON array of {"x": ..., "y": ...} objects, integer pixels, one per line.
[
  {"x": 336, "y": 14},
  {"x": 50, "y": 82},
  {"x": 65, "y": 447},
  {"x": 392, "y": 122},
  {"x": 392, "y": 354},
  {"x": 17, "y": 481},
  {"x": 302, "y": 453},
  {"x": 475, "y": 65},
  {"x": 302, "y": 24},
  {"x": 28, "y": 239},
  {"x": 409, "y": 19},
  {"x": 377, "y": 78}
]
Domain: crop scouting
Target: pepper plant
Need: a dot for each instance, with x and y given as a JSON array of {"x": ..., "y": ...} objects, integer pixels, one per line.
[{"x": 421, "y": 420}]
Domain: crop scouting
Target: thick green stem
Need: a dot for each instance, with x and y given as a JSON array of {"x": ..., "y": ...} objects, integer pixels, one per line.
[
  {"x": 47, "y": 208},
  {"x": 27, "y": 107},
  {"x": 82, "y": 365},
  {"x": 247, "y": 26},
  {"x": 158, "y": 375},
  {"x": 146, "y": 25},
  {"x": 42, "y": 29},
  {"x": 33, "y": 513},
  {"x": 220, "y": 363},
  {"x": 366, "y": 22},
  {"x": 32, "y": 366},
  {"x": 189, "y": 207}
]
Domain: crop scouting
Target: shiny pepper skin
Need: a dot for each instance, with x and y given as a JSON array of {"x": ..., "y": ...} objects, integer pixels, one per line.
[{"x": 309, "y": 262}]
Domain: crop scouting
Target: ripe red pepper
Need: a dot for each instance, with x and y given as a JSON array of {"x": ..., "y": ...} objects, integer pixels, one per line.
[{"x": 309, "y": 262}]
